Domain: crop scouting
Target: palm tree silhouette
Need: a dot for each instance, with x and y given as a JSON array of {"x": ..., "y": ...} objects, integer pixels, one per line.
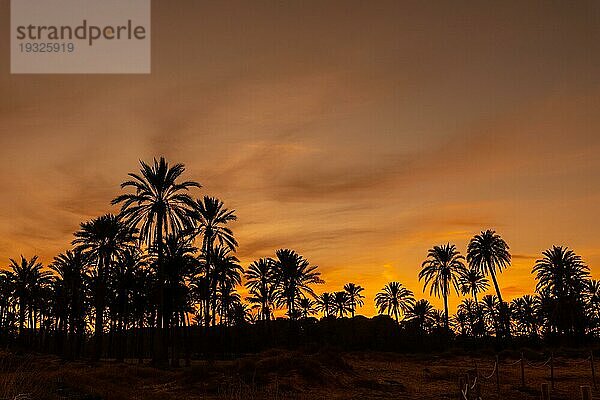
[
  {"x": 159, "y": 205},
  {"x": 211, "y": 218},
  {"x": 71, "y": 269},
  {"x": 325, "y": 304},
  {"x": 341, "y": 303},
  {"x": 489, "y": 253},
  {"x": 395, "y": 299},
  {"x": 472, "y": 281},
  {"x": 227, "y": 273},
  {"x": 525, "y": 312},
  {"x": 441, "y": 270},
  {"x": 473, "y": 312},
  {"x": 422, "y": 314},
  {"x": 354, "y": 296},
  {"x": 103, "y": 240},
  {"x": 490, "y": 308},
  {"x": 27, "y": 276},
  {"x": 562, "y": 276},
  {"x": 307, "y": 307},
  {"x": 262, "y": 284},
  {"x": 295, "y": 276}
]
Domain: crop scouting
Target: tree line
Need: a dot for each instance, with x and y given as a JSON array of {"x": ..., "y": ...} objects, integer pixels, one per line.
[{"x": 166, "y": 264}]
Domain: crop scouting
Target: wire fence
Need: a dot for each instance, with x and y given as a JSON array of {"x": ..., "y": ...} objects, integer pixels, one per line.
[{"x": 470, "y": 386}]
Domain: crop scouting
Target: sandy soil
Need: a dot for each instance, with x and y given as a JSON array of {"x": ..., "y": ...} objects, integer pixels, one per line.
[{"x": 289, "y": 375}]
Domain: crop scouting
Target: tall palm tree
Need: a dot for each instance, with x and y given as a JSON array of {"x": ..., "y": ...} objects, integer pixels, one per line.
[
  {"x": 325, "y": 304},
  {"x": 395, "y": 299},
  {"x": 563, "y": 275},
  {"x": 227, "y": 272},
  {"x": 354, "y": 296},
  {"x": 295, "y": 276},
  {"x": 104, "y": 240},
  {"x": 441, "y": 270},
  {"x": 261, "y": 282},
  {"x": 489, "y": 253},
  {"x": 211, "y": 219},
  {"x": 71, "y": 268},
  {"x": 158, "y": 205},
  {"x": 27, "y": 276}
]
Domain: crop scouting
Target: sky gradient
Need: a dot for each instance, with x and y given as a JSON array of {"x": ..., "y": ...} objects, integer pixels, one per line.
[{"x": 358, "y": 133}]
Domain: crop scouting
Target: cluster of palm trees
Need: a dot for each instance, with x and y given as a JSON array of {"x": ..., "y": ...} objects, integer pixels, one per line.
[
  {"x": 167, "y": 261},
  {"x": 566, "y": 301},
  {"x": 337, "y": 304}
]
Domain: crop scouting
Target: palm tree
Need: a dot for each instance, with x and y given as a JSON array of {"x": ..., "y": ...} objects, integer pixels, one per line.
[
  {"x": 227, "y": 271},
  {"x": 473, "y": 312},
  {"x": 562, "y": 275},
  {"x": 307, "y": 307},
  {"x": 261, "y": 282},
  {"x": 395, "y": 299},
  {"x": 341, "y": 303},
  {"x": 211, "y": 219},
  {"x": 159, "y": 205},
  {"x": 27, "y": 276},
  {"x": 525, "y": 311},
  {"x": 103, "y": 240},
  {"x": 489, "y": 253},
  {"x": 325, "y": 304},
  {"x": 441, "y": 269},
  {"x": 491, "y": 312},
  {"x": 473, "y": 282},
  {"x": 295, "y": 276},
  {"x": 592, "y": 299},
  {"x": 71, "y": 269},
  {"x": 354, "y": 296},
  {"x": 422, "y": 314}
]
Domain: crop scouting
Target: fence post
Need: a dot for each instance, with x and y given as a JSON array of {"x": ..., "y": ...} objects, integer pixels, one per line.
[
  {"x": 461, "y": 387},
  {"x": 552, "y": 370},
  {"x": 522, "y": 370},
  {"x": 593, "y": 369},
  {"x": 545, "y": 391},
  {"x": 498, "y": 375},
  {"x": 586, "y": 392}
]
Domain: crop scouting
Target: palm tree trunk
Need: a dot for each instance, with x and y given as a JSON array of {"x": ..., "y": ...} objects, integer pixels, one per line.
[
  {"x": 160, "y": 345},
  {"x": 99, "y": 305},
  {"x": 446, "y": 322},
  {"x": 504, "y": 320}
]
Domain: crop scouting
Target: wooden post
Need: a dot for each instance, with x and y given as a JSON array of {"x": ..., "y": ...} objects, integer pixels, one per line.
[
  {"x": 497, "y": 375},
  {"x": 545, "y": 391},
  {"x": 461, "y": 387},
  {"x": 586, "y": 392},
  {"x": 552, "y": 370},
  {"x": 522, "y": 370},
  {"x": 593, "y": 369}
]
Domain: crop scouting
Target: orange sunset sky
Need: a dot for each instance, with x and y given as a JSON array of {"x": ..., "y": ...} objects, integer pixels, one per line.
[{"x": 358, "y": 133}]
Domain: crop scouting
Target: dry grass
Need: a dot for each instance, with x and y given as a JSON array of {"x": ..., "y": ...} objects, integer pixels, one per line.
[{"x": 282, "y": 375}]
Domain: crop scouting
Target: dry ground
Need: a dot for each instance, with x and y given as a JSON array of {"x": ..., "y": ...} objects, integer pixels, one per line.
[{"x": 284, "y": 375}]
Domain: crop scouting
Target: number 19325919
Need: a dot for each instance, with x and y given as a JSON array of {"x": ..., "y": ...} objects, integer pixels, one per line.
[{"x": 34, "y": 47}]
